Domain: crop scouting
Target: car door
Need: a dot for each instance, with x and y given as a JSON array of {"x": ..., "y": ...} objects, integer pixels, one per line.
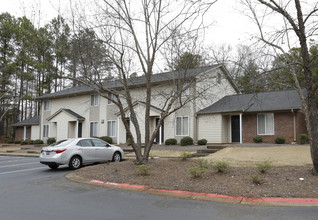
[
  {"x": 88, "y": 150},
  {"x": 103, "y": 151}
]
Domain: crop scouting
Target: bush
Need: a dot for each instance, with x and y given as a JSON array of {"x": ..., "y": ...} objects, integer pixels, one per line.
[
  {"x": 186, "y": 141},
  {"x": 171, "y": 141},
  {"x": 257, "y": 139},
  {"x": 221, "y": 166},
  {"x": 303, "y": 138},
  {"x": 38, "y": 141},
  {"x": 185, "y": 155},
  {"x": 10, "y": 141},
  {"x": 262, "y": 167},
  {"x": 203, "y": 163},
  {"x": 50, "y": 141},
  {"x": 197, "y": 172},
  {"x": 280, "y": 140},
  {"x": 143, "y": 170},
  {"x": 30, "y": 142},
  {"x": 107, "y": 139},
  {"x": 257, "y": 179},
  {"x": 202, "y": 142},
  {"x": 17, "y": 142},
  {"x": 24, "y": 142},
  {"x": 128, "y": 142}
]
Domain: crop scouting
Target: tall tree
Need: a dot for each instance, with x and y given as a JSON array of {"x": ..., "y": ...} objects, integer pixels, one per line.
[{"x": 296, "y": 20}]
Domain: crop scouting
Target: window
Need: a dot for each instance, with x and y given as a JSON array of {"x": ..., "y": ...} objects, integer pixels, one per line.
[
  {"x": 94, "y": 100},
  {"x": 85, "y": 143},
  {"x": 99, "y": 143},
  {"x": 182, "y": 126},
  {"x": 45, "y": 131},
  {"x": 93, "y": 129},
  {"x": 111, "y": 95},
  {"x": 46, "y": 105},
  {"x": 265, "y": 124},
  {"x": 185, "y": 89},
  {"x": 111, "y": 128}
]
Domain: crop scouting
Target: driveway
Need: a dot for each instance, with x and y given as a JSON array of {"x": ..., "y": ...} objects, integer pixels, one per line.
[{"x": 31, "y": 191}]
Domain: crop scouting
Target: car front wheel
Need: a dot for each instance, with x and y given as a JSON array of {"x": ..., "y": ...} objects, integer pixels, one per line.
[
  {"x": 116, "y": 157},
  {"x": 75, "y": 162}
]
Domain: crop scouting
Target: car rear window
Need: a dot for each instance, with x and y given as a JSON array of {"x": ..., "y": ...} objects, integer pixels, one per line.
[{"x": 62, "y": 143}]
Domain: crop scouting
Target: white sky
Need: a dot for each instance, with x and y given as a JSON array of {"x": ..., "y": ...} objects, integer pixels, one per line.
[{"x": 230, "y": 27}]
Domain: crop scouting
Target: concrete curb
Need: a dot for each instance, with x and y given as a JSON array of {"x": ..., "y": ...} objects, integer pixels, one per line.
[{"x": 199, "y": 196}]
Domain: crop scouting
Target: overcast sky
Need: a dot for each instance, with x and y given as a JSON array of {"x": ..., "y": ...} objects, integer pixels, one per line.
[{"x": 230, "y": 26}]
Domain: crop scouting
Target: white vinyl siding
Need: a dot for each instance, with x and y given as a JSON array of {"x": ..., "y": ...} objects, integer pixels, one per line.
[
  {"x": 46, "y": 129},
  {"x": 182, "y": 126},
  {"x": 94, "y": 100},
  {"x": 111, "y": 128},
  {"x": 265, "y": 124},
  {"x": 94, "y": 129}
]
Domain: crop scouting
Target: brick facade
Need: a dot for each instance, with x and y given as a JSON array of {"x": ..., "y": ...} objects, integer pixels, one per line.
[
  {"x": 283, "y": 126},
  {"x": 19, "y": 133}
]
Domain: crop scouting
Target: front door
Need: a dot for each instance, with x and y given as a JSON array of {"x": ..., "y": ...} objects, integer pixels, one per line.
[
  {"x": 79, "y": 131},
  {"x": 235, "y": 125}
]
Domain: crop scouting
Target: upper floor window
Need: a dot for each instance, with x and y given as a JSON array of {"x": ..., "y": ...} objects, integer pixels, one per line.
[
  {"x": 265, "y": 124},
  {"x": 94, "y": 100},
  {"x": 185, "y": 90},
  {"x": 182, "y": 126},
  {"x": 46, "y": 105},
  {"x": 112, "y": 96}
]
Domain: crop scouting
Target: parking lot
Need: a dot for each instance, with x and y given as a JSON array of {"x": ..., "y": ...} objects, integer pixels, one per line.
[{"x": 10, "y": 165}]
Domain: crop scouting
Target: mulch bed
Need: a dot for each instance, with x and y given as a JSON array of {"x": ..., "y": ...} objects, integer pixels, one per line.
[{"x": 173, "y": 174}]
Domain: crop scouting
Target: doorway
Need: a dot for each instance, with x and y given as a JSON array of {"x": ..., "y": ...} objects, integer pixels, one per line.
[
  {"x": 157, "y": 140},
  {"x": 235, "y": 128}
]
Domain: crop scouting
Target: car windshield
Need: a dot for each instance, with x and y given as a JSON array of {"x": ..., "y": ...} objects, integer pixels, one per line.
[{"x": 59, "y": 143}]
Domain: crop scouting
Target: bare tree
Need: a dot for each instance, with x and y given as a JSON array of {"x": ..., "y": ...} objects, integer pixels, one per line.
[
  {"x": 134, "y": 34},
  {"x": 297, "y": 23}
]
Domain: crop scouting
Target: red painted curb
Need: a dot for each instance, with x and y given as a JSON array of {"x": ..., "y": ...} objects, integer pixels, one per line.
[{"x": 219, "y": 196}]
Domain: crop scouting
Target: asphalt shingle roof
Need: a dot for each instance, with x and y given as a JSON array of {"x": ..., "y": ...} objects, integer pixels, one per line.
[
  {"x": 257, "y": 102},
  {"x": 31, "y": 121},
  {"x": 136, "y": 81}
]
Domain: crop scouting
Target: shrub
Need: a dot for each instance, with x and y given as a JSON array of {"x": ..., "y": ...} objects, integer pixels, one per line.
[
  {"x": 171, "y": 141},
  {"x": 38, "y": 141},
  {"x": 221, "y": 166},
  {"x": 128, "y": 142},
  {"x": 203, "y": 163},
  {"x": 257, "y": 179},
  {"x": 30, "y": 142},
  {"x": 10, "y": 141},
  {"x": 186, "y": 141},
  {"x": 50, "y": 141},
  {"x": 197, "y": 172},
  {"x": 143, "y": 170},
  {"x": 17, "y": 142},
  {"x": 24, "y": 143},
  {"x": 303, "y": 138},
  {"x": 257, "y": 139},
  {"x": 202, "y": 142},
  {"x": 262, "y": 167},
  {"x": 107, "y": 139},
  {"x": 280, "y": 140},
  {"x": 185, "y": 155}
]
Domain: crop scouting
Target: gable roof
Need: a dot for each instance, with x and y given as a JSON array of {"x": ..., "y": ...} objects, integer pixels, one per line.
[
  {"x": 69, "y": 112},
  {"x": 256, "y": 102},
  {"x": 152, "y": 107},
  {"x": 31, "y": 121},
  {"x": 139, "y": 81}
]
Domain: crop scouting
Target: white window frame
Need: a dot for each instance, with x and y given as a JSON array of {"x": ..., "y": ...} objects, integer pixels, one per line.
[
  {"x": 94, "y": 100},
  {"x": 258, "y": 132},
  {"x": 93, "y": 133},
  {"x": 112, "y": 132},
  {"x": 182, "y": 125},
  {"x": 47, "y": 133},
  {"x": 111, "y": 95},
  {"x": 46, "y": 105}
]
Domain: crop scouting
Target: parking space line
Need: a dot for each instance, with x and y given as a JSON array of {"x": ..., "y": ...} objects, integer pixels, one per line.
[
  {"x": 20, "y": 164},
  {"x": 18, "y": 171}
]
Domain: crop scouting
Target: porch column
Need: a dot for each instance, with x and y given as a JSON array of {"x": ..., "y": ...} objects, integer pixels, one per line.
[
  {"x": 241, "y": 129},
  {"x": 76, "y": 130},
  {"x": 24, "y": 133},
  {"x": 118, "y": 130},
  {"x": 160, "y": 134}
]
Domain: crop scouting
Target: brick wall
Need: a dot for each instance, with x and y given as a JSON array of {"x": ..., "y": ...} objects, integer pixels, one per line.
[
  {"x": 19, "y": 133},
  {"x": 283, "y": 126}
]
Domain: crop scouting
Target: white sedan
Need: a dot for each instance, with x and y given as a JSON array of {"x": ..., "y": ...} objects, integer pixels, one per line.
[{"x": 78, "y": 151}]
